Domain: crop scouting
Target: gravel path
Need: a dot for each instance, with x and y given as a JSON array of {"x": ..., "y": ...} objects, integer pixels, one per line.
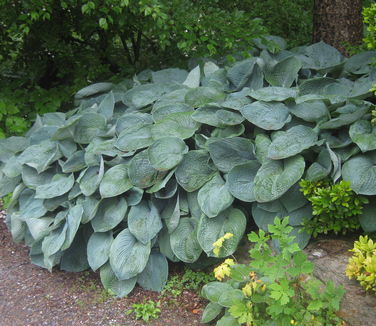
[{"x": 31, "y": 296}]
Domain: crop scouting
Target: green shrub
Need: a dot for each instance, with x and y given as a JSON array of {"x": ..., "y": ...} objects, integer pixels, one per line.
[
  {"x": 369, "y": 18},
  {"x": 335, "y": 207},
  {"x": 274, "y": 289},
  {"x": 160, "y": 167},
  {"x": 146, "y": 311},
  {"x": 362, "y": 265}
]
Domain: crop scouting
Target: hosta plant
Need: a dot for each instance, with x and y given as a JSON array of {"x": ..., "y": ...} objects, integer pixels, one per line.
[
  {"x": 362, "y": 265},
  {"x": 273, "y": 289},
  {"x": 161, "y": 166}
]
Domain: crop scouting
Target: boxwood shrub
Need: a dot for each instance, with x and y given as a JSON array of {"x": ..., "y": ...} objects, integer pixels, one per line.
[{"x": 159, "y": 167}]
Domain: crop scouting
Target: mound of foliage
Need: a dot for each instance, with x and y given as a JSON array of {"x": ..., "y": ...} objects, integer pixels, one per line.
[{"x": 159, "y": 167}]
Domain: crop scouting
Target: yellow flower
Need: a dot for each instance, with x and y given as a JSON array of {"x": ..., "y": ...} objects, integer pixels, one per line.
[
  {"x": 219, "y": 243},
  {"x": 222, "y": 271},
  {"x": 247, "y": 290}
]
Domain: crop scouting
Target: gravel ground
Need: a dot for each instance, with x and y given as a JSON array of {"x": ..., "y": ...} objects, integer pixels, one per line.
[{"x": 31, "y": 296}]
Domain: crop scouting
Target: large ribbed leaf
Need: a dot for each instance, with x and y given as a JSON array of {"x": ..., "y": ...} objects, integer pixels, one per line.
[
  {"x": 227, "y": 153},
  {"x": 12, "y": 145},
  {"x": 154, "y": 276},
  {"x": 361, "y": 172},
  {"x": 214, "y": 196},
  {"x": 347, "y": 115},
  {"x": 211, "y": 311},
  {"x": 89, "y": 125},
  {"x": 141, "y": 172},
  {"x": 131, "y": 140},
  {"x": 110, "y": 213},
  {"x": 193, "y": 78},
  {"x": 184, "y": 242},
  {"x": 171, "y": 213},
  {"x": 284, "y": 73},
  {"x": 360, "y": 63},
  {"x": 98, "y": 249},
  {"x": 112, "y": 284},
  {"x": 180, "y": 125},
  {"x": 193, "y": 171},
  {"x": 106, "y": 107},
  {"x": 93, "y": 90},
  {"x": 169, "y": 75},
  {"x": 274, "y": 178},
  {"x": 52, "y": 243},
  {"x": 240, "y": 181},
  {"x": 73, "y": 221},
  {"x": 322, "y": 56},
  {"x": 75, "y": 163},
  {"x": 291, "y": 142},
  {"x": 200, "y": 96},
  {"x": 268, "y": 116},
  {"x": 143, "y": 95},
  {"x": 115, "y": 181},
  {"x": 211, "y": 229},
  {"x": 217, "y": 116},
  {"x": 368, "y": 217},
  {"x": 59, "y": 185},
  {"x": 311, "y": 111},
  {"x": 164, "y": 111},
  {"x": 74, "y": 259},
  {"x": 90, "y": 179},
  {"x": 363, "y": 133},
  {"x": 268, "y": 94},
  {"x": 40, "y": 156},
  {"x": 166, "y": 153},
  {"x": 262, "y": 143},
  {"x": 144, "y": 221},
  {"x": 128, "y": 257},
  {"x": 7, "y": 185},
  {"x": 240, "y": 72},
  {"x": 133, "y": 121},
  {"x": 321, "y": 168}
]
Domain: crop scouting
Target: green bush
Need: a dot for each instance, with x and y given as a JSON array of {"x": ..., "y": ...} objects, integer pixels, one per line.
[
  {"x": 162, "y": 166},
  {"x": 273, "y": 289},
  {"x": 369, "y": 18}
]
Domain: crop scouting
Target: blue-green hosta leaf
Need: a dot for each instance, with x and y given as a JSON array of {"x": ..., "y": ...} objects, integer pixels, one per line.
[
  {"x": 42, "y": 134},
  {"x": 217, "y": 116},
  {"x": 90, "y": 205},
  {"x": 217, "y": 79},
  {"x": 128, "y": 257},
  {"x": 39, "y": 227},
  {"x": 12, "y": 145},
  {"x": 240, "y": 72},
  {"x": 180, "y": 125},
  {"x": 52, "y": 243},
  {"x": 134, "y": 196},
  {"x": 352, "y": 114},
  {"x": 317, "y": 86},
  {"x": 284, "y": 73},
  {"x": 93, "y": 89},
  {"x": 211, "y": 311},
  {"x": 368, "y": 217},
  {"x": 17, "y": 227},
  {"x": 360, "y": 171},
  {"x": 336, "y": 138},
  {"x": 59, "y": 185},
  {"x": 110, "y": 213},
  {"x": 88, "y": 127},
  {"x": 363, "y": 133},
  {"x": 268, "y": 94},
  {"x": 141, "y": 172},
  {"x": 193, "y": 78},
  {"x": 209, "y": 68},
  {"x": 73, "y": 221},
  {"x": 115, "y": 181},
  {"x": 229, "y": 152},
  {"x": 211, "y": 229},
  {"x": 165, "y": 245},
  {"x": 214, "y": 196},
  {"x": 144, "y": 221},
  {"x": 193, "y": 171},
  {"x": 311, "y": 111},
  {"x": 12, "y": 167},
  {"x": 7, "y": 185},
  {"x": 143, "y": 95},
  {"x": 74, "y": 259},
  {"x": 228, "y": 132},
  {"x": 66, "y": 132},
  {"x": 240, "y": 181},
  {"x": 112, "y": 284},
  {"x": 40, "y": 156},
  {"x": 100, "y": 147},
  {"x": 29, "y": 206},
  {"x": 98, "y": 249},
  {"x": 184, "y": 242},
  {"x": 154, "y": 276},
  {"x": 359, "y": 64},
  {"x": 53, "y": 203},
  {"x": 133, "y": 121},
  {"x": 171, "y": 213},
  {"x": 164, "y": 111},
  {"x": 237, "y": 100},
  {"x": 106, "y": 107},
  {"x": 262, "y": 143},
  {"x": 132, "y": 140},
  {"x": 323, "y": 56},
  {"x": 213, "y": 291},
  {"x": 268, "y": 116},
  {"x": 75, "y": 163},
  {"x": 201, "y": 96},
  {"x": 274, "y": 178},
  {"x": 321, "y": 168},
  {"x": 67, "y": 147},
  {"x": 176, "y": 96},
  {"x": 90, "y": 179},
  {"x": 291, "y": 142},
  {"x": 169, "y": 75},
  {"x": 163, "y": 183},
  {"x": 166, "y": 153}
]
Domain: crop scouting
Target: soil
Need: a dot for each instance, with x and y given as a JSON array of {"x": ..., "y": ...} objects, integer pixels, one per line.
[{"x": 32, "y": 296}]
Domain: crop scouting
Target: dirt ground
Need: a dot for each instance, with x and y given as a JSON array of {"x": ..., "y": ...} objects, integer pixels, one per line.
[{"x": 32, "y": 296}]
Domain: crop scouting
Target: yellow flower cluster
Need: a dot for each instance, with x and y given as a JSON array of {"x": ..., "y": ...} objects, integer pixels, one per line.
[
  {"x": 219, "y": 243},
  {"x": 224, "y": 269},
  {"x": 254, "y": 286}
]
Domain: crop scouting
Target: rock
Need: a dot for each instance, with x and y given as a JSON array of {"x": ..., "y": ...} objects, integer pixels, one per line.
[{"x": 330, "y": 258}]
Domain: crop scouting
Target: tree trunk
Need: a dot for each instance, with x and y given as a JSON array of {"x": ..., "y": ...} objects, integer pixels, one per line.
[{"x": 338, "y": 23}]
